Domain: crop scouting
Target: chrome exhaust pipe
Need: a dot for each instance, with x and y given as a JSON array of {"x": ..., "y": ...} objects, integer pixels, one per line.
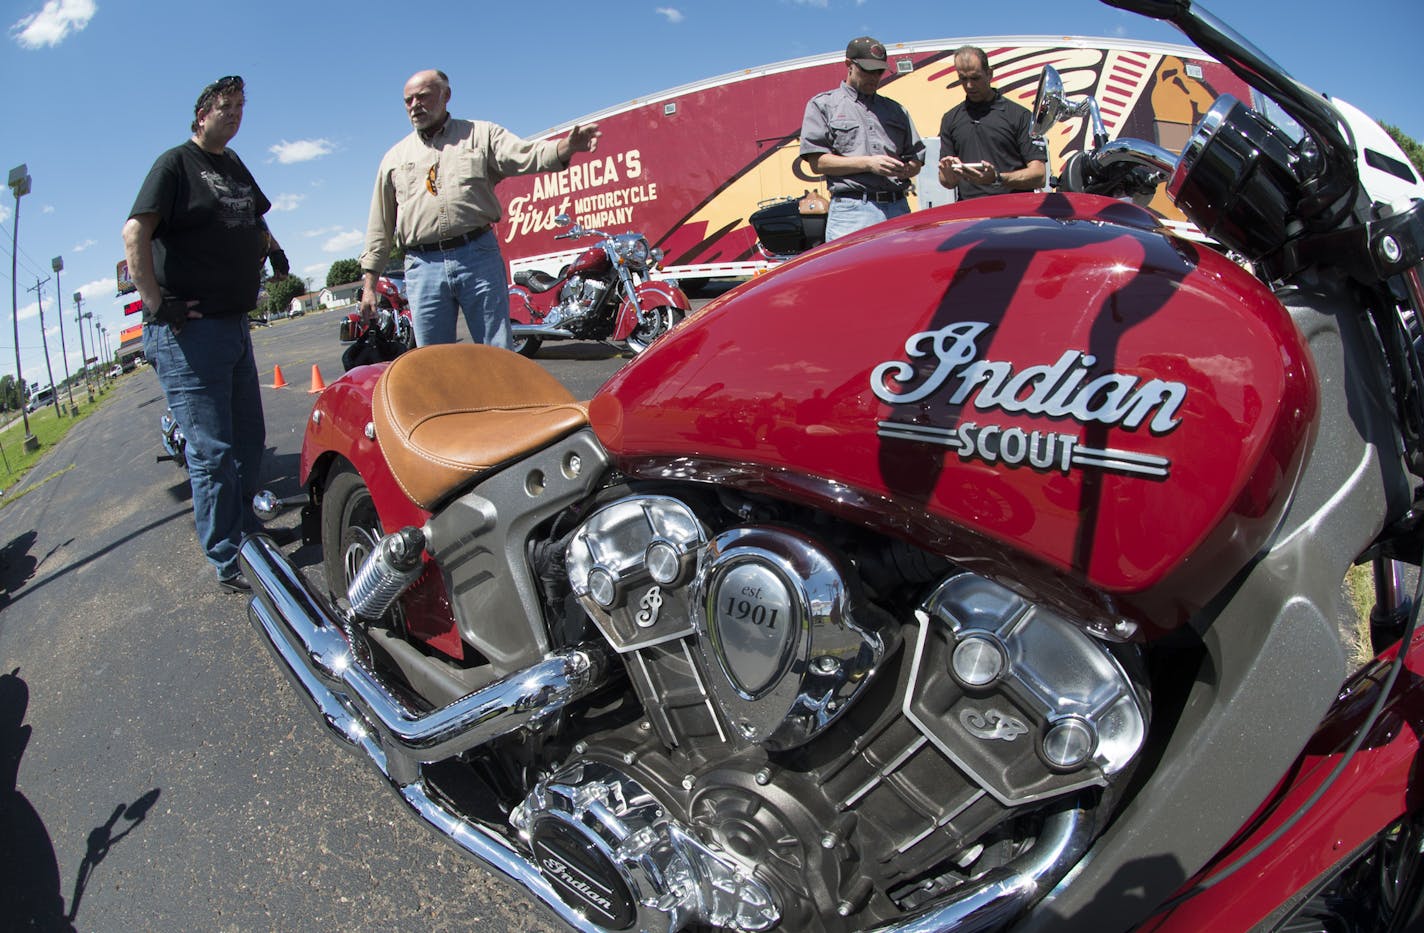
[
  {"x": 533, "y": 330},
  {"x": 327, "y": 661},
  {"x": 1003, "y": 894},
  {"x": 304, "y": 633}
]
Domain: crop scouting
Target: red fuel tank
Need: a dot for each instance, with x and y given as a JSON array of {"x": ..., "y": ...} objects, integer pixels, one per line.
[{"x": 1048, "y": 388}]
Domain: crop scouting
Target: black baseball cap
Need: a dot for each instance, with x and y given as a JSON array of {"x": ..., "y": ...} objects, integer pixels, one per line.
[{"x": 866, "y": 52}]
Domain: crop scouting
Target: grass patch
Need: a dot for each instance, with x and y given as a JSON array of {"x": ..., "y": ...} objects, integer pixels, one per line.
[{"x": 47, "y": 427}]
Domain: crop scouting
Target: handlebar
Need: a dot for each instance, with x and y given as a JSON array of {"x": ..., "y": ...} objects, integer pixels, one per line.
[{"x": 1336, "y": 176}]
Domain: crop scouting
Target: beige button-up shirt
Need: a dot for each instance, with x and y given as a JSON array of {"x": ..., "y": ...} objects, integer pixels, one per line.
[{"x": 429, "y": 190}]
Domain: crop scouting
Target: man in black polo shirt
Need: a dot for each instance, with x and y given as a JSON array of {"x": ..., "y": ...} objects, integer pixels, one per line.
[
  {"x": 985, "y": 144},
  {"x": 866, "y": 145}
]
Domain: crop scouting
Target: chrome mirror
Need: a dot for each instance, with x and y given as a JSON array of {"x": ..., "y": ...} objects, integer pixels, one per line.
[{"x": 1049, "y": 104}]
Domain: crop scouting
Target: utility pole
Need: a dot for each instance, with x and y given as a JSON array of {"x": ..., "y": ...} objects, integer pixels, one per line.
[
  {"x": 93, "y": 334},
  {"x": 44, "y": 341},
  {"x": 83, "y": 353},
  {"x": 20, "y": 185},
  {"x": 57, "y": 264}
]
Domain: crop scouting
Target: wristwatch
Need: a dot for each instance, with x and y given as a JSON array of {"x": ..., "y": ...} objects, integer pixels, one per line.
[{"x": 998, "y": 179}]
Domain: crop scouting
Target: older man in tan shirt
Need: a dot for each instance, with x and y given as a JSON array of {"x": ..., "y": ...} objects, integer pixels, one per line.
[{"x": 435, "y": 196}]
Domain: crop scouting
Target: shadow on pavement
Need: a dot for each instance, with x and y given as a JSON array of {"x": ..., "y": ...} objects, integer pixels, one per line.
[
  {"x": 29, "y": 872},
  {"x": 17, "y": 565}
]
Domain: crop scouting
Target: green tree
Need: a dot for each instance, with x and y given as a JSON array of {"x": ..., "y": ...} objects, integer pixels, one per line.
[
  {"x": 280, "y": 293},
  {"x": 1411, "y": 148},
  {"x": 9, "y": 393},
  {"x": 343, "y": 271}
]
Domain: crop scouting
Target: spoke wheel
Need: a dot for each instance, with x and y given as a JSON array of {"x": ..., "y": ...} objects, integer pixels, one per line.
[{"x": 658, "y": 321}]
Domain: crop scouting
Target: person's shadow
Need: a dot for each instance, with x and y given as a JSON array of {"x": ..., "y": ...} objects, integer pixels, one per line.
[
  {"x": 17, "y": 565},
  {"x": 29, "y": 872},
  {"x": 30, "y": 895}
]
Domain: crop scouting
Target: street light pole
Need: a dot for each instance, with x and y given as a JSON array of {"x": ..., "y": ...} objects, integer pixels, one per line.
[
  {"x": 83, "y": 353},
  {"x": 20, "y": 185},
  {"x": 57, "y": 263},
  {"x": 44, "y": 342}
]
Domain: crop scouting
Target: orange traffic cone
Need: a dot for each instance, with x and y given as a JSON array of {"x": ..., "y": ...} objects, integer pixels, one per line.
[
  {"x": 317, "y": 383},
  {"x": 277, "y": 381}
]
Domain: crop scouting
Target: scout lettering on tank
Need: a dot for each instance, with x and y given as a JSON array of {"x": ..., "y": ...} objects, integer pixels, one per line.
[{"x": 1066, "y": 388}]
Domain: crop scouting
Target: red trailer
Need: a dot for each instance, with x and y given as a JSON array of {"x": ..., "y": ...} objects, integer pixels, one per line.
[{"x": 687, "y": 166}]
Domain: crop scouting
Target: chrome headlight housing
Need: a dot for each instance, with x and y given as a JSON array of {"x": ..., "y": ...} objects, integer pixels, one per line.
[{"x": 633, "y": 250}]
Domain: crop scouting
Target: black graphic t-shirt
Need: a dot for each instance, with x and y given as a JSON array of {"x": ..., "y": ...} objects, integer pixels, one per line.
[{"x": 210, "y": 240}]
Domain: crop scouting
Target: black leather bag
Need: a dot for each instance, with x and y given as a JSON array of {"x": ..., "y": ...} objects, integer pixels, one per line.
[{"x": 373, "y": 346}]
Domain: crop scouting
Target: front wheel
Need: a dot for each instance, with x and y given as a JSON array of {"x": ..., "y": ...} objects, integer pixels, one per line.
[
  {"x": 525, "y": 346},
  {"x": 654, "y": 324}
]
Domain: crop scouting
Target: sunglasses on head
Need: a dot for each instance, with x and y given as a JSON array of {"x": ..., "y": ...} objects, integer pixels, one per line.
[{"x": 224, "y": 85}]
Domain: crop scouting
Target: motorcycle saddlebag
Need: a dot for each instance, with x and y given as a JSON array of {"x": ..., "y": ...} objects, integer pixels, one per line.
[{"x": 779, "y": 227}]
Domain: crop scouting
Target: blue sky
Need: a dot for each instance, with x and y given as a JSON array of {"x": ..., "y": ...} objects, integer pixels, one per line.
[{"x": 92, "y": 90}]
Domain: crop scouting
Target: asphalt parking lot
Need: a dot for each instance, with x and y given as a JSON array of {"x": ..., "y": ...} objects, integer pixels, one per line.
[{"x": 158, "y": 772}]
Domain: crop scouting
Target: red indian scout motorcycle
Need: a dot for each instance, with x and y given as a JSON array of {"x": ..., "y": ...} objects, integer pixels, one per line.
[
  {"x": 605, "y": 293},
  {"x": 1007, "y": 598}
]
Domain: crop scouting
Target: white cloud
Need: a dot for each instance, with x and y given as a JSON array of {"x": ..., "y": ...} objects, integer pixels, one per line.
[
  {"x": 4, "y": 212},
  {"x": 303, "y": 150},
  {"x": 53, "y": 24},
  {"x": 322, "y": 231},
  {"x": 81, "y": 247},
  {"x": 47, "y": 209},
  {"x": 818, "y": 4},
  {"x": 287, "y": 202},
  {"x": 97, "y": 289},
  {"x": 673, "y": 15},
  {"x": 344, "y": 242}
]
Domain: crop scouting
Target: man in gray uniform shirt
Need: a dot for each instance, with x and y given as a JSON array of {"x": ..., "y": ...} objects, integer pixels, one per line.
[{"x": 866, "y": 145}]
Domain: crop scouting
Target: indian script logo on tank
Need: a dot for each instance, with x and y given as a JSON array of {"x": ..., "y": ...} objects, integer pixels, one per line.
[{"x": 1066, "y": 388}]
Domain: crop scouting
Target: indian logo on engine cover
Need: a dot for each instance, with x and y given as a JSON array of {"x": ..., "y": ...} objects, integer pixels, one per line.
[{"x": 946, "y": 362}]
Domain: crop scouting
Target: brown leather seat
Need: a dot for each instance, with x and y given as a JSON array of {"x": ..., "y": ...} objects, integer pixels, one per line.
[{"x": 445, "y": 414}]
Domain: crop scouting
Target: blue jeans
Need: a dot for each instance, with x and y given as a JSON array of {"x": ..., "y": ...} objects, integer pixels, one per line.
[
  {"x": 848, "y": 215},
  {"x": 469, "y": 278},
  {"x": 209, "y": 377}
]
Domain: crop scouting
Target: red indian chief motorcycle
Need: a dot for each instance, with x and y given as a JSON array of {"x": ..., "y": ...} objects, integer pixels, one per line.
[
  {"x": 1005, "y": 599},
  {"x": 606, "y": 292}
]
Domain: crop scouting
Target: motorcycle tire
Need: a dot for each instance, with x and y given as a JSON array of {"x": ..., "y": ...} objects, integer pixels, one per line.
[
  {"x": 666, "y": 319},
  {"x": 526, "y": 346},
  {"x": 350, "y": 528}
]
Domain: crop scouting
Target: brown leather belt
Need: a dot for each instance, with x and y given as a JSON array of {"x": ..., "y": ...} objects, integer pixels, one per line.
[
  {"x": 879, "y": 197},
  {"x": 449, "y": 243}
]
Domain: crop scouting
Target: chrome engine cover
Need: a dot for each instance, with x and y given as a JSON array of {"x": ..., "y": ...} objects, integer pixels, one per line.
[
  {"x": 1018, "y": 697},
  {"x": 608, "y": 846},
  {"x": 627, "y": 565},
  {"x": 779, "y": 635}
]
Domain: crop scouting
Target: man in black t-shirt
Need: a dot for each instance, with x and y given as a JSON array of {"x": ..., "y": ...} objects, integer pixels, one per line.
[
  {"x": 195, "y": 242},
  {"x": 985, "y": 145}
]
